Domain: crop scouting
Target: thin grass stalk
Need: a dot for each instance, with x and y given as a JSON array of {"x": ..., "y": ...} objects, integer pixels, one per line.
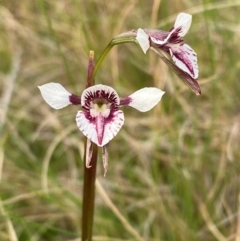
[{"x": 57, "y": 41}]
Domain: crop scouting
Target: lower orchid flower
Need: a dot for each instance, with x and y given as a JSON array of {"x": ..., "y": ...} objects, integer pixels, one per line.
[
  {"x": 100, "y": 118},
  {"x": 183, "y": 56}
]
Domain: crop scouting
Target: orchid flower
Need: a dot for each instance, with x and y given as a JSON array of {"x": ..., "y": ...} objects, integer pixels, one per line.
[
  {"x": 100, "y": 119},
  {"x": 184, "y": 59}
]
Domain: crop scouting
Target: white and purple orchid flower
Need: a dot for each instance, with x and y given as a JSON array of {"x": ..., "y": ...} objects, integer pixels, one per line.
[
  {"x": 100, "y": 118},
  {"x": 183, "y": 56}
]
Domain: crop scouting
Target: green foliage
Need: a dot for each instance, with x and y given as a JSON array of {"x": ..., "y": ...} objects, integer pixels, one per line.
[{"x": 173, "y": 172}]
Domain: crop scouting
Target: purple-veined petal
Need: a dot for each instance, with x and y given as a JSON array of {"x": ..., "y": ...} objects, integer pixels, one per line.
[
  {"x": 110, "y": 127},
  {"x": 87, "y": 127},
  {"x": 113, "y": 126},
  {"x": 143, "y": 40},
  {"x": 181, "y": 27},
  {"x": 143, "y": 99},
  {"x": 100, "y": 126},
  {"x": 159, "y": 41},
  {"x": 57, "y": 96},
  {"x": 184, "y": 21},
  {"x": 159, "y": 37},
  {"x": 186, "y": 59},
  {"x": 99, "y": 92},
  {"x": 184, "y": 76}
]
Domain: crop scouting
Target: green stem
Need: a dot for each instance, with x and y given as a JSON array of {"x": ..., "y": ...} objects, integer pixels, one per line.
[
  {"x": 89, "y": 196},
  {"x": 128, "y": 37}
]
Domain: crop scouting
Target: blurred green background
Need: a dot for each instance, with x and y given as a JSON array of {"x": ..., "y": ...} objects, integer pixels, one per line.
[{"x": 173, "y": 172}]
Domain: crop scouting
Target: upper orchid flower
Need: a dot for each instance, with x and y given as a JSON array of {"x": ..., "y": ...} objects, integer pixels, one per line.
[
  {"x": 171, "y": 42},
  {"x": 100, "y": 120}
]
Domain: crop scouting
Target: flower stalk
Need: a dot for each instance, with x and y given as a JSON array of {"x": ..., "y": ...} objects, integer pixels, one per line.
[
  {"x": 127, "y": 37},
  {"x": 89, "y": 173},
  {"x": 89, "y": 195}
]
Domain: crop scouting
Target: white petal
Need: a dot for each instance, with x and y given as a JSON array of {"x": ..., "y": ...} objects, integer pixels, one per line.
[
  {"x": 146, "y": 98},
  {"x": 143, "y": 40},
  {"x": 55, "y": 95},
  {"x": 161, "y": 42},
  {"x": 111, "y": 127},
  {"x": 86, "y": 127},
  {"x": 184, "y": 21},
  {"x": 160, "y": 37},
  {"x": 186, "y": 59}
]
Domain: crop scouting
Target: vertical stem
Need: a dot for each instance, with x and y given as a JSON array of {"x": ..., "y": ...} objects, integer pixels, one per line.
[
  {"x": 91, "y": 151},
  {"x": 90, "y": 167},
  {"x": 89, "y": 196},
  {"x": 91, "y": 67}
]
